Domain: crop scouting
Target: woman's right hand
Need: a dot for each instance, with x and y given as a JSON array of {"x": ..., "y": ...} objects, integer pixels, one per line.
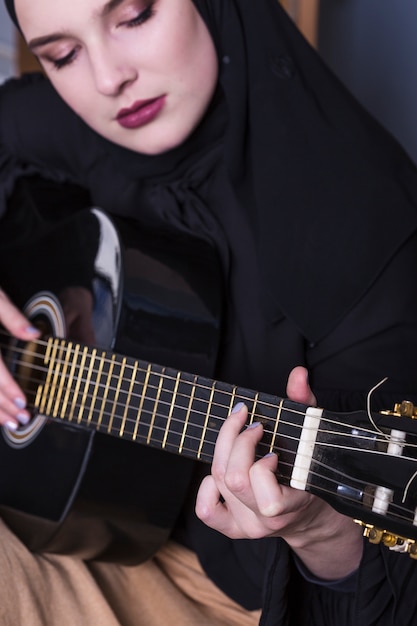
[{"x": 12, "y": 399}]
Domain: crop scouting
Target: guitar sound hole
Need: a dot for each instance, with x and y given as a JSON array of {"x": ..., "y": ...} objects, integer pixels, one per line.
[{"x": 26, "y": 362}]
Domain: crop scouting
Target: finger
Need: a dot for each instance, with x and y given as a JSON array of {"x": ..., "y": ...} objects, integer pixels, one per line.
[
  {"x": 211, "y": 510},
  {"x": 12, "y": 400},
  {"x": 265, "y": 486},
  {"x": 298, "y": 388},
  {"x": 225, "y": 440},
  {"x": 241, "y": 459},
  {"x": 14, "y": 321}
]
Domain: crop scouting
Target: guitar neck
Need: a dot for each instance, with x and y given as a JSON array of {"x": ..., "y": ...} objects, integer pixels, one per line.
[
  {"x": 158, "y": 406},
  {"x": 182, "y": 413}
]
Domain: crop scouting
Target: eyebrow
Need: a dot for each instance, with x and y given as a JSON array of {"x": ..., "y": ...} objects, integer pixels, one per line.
[
  {"x": 110, "y": 6},
  {"x": 38, "y": 42}
]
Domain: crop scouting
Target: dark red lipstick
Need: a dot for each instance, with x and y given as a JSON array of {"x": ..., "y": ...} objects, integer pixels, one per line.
[{"x": 140, "y": 113}]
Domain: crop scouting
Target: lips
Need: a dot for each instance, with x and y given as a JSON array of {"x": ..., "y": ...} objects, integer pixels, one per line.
[{"x": 140, "y": 113}]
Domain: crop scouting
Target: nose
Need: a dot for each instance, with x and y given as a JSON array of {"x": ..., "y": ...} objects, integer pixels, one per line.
[{"x": 112, "y": 73}]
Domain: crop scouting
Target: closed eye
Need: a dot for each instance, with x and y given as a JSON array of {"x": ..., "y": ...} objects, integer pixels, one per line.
[
  {"x": 65, "y": 60},
  {"x": 141, "y": 18}
]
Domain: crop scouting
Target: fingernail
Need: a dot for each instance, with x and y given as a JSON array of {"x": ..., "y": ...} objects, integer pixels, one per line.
[
  {"x": 32, "y": 330},
  {"x": 20, "y": 403},
  {"x": 253, "y": 425},
  {"x": 23, "y": 418},
  {"x": 237, "y": 407},
  {"x": 11, "y": 425}
]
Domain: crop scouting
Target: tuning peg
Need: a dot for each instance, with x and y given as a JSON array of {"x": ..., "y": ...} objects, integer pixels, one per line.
[
  {"x": 403, "y": 409},
  {"x": 388, "y": 539}
]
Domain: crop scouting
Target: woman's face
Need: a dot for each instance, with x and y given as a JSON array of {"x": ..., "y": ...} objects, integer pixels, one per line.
[{"x": 139, "y": 72}]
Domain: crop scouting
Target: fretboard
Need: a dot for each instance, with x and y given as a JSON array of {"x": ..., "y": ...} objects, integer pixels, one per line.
[{"x": 154, "y": 405}]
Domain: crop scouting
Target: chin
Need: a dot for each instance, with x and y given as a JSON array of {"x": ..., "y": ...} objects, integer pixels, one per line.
[{"x": 158, "y": 138}]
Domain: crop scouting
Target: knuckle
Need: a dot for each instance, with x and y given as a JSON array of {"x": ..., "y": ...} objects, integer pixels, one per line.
[
  {"x": 236, "y": 481},
  {"x": 218, "y": 472}
]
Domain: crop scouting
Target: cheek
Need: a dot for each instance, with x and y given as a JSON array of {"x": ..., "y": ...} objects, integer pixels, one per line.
[{"x": 76, "y": 93}]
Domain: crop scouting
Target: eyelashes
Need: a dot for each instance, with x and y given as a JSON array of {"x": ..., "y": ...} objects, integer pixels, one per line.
[
  {"x": 142, "y": 17},
  {"x": 63, "y": 61},
  {"x": 138, "y": 20}
]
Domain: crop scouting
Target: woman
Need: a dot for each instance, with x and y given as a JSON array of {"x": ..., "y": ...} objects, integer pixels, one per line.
[{"x": 214, "y": 120}]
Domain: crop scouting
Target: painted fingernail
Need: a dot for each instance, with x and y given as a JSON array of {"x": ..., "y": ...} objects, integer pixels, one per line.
[
  {"x": 20, "y": 403},
  {"x": 23, "y": 418},
  {"x": 11, "y": 425},
  {"x": 237, "y": 407},
  {"x": 253, "y": 425},
  {"x": 32, "y": 330}
]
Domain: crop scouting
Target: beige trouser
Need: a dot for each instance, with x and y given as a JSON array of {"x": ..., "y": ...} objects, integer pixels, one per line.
[{"x": 55, "y": 590}]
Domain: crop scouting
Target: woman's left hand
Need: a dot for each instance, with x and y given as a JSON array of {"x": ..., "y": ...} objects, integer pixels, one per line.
[{"x": 243, "y": 498}]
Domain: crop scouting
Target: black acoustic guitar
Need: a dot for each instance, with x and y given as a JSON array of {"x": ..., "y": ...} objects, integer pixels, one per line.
[{"x": 72, "y": 481}]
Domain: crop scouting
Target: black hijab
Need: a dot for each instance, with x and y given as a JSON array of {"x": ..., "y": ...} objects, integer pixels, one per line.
[{"x": 329, "y": 195}]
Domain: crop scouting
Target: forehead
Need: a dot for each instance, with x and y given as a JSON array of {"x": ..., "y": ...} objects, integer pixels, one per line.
[
  {"x": 60, "y": 13},
  {"x": 44, "y": 15}
]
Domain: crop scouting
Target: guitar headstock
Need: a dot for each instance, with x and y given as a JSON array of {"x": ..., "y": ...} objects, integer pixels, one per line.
[
  {"x": 382, "y": 536},
  {"x": 365, "y": 465}
]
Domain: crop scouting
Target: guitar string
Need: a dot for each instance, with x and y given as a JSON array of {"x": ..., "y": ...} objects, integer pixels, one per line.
[
  {"x": 250, "y": 399},
  {"x": 400, "y": 513},
  {"x": 259, "y": 403},
  {"x": 396, "y": 512},
  {"x": 321, "y": 489},
  {"x": 209, "y": 388}
]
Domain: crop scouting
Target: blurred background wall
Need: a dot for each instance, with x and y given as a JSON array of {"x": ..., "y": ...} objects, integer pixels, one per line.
[
  {"x": 7, "y": 49},
  {"x": 372, "y": 46}
]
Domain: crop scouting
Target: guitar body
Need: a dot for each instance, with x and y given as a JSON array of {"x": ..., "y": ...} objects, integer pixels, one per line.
[{"x": 70, "y": 490}]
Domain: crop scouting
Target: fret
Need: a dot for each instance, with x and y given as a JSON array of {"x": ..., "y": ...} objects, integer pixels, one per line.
[
  {"x": 84, "y": 397},
  {"x": 208, "y": 411},
  {"x": 38, "y": 396},
  {"x": 96, "y": 388},
  {"x": 78, "y": 381},
  {"x": 224, "y": 399},
  {"x": 55, "y": 365},
  {"x": 155, "y": 406},
  {"x": 252, "y": 413},
  {"x": 289, "y": 429},
  {"x": 101, "y": 425},
  {"x": 202, "y": 388},
  {"x": 275, "y": 431},
  {"x": 62, "y": 381},
  {"x": 171, "y": 409},
  {"x": 47, "y": 382},
  {"x": 70, "y": 378},
  {"x": 174, "y": 403},
  {"x": 119, "y": 379},
  {"x": 187, "y": 416},
  {"x": 249, "y": 397},
  {"x": 142, "y": 402},
  {"x": 232, "y": 399},
  {"x": 128, "y": 399}
]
